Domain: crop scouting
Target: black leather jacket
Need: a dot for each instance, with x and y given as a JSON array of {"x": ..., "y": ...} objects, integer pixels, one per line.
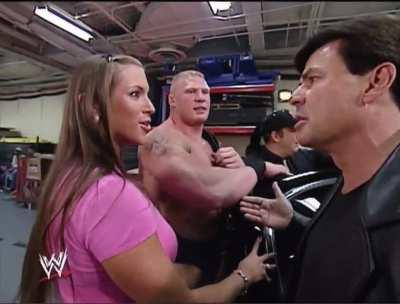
[{"x": 380, "y": 280}]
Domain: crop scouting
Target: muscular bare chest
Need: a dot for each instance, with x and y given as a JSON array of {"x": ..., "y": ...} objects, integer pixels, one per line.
[{"x": 199, "y": 149}]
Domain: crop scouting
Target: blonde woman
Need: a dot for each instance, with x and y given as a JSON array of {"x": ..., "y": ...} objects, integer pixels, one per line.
[{"x": 119, "y": 247}]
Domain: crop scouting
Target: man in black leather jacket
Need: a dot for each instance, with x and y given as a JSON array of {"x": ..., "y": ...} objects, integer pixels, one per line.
[
  {"x": 279, "y": 146},
  {"x": 347, "y": 103}
]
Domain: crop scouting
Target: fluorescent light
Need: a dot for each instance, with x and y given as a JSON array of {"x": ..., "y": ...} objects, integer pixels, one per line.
[
  {"x": 54, "y": 18},
  {"x": 218, "y": 6}
]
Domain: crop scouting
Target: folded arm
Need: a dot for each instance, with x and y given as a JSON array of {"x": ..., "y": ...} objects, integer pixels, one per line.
[{"x": 180, "y": 174}]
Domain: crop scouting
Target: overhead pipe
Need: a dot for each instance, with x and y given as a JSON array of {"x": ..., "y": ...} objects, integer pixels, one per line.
[
  {"x": 33, "y": 56},
  {"x": 256, "y": 42},
  {"x": 202, "y": 19},
  {"x": 28, "y": 25},
  {"x": 23, "y": 22},
  {"x": 137, "y": 4},
  {"x": 33, "y": 90},
  {"x": 113, "y": 9},
  {"x": 15, "y": 34},
  {"x": 119, "y": 23},
  {"x": 188, "y": 34},
  {"x": 33, "y": 82},
  {"x": 319, "y": 15},
  {"x": 333, "y": 19},
  {"x": 13, "y": 16},
  {"x": 34, "y": 94},
  {"x": 58, "y": 41},
  {"x": 311, "y": 19}
]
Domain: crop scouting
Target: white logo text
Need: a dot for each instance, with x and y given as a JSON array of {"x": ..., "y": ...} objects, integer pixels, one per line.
[{"x": 58, "y": 263}]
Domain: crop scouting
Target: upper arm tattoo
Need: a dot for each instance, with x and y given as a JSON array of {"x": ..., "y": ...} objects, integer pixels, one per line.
[
  {"x": 156, "y": 144},
  {"x": 159, "y": 144}
]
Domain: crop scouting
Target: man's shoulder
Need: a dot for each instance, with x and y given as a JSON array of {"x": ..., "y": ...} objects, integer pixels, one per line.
[
  {"x": 160, "y": 129},
  {"x": 165, "y": 140},
  {"x": 383, "y": 193},
  {"x": 155, "y": 141},
  {"x": 165, "y": 130},
  {"x": 158, "y": 134}
]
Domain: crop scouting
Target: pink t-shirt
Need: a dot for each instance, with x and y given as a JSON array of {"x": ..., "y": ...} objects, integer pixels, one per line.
[{"x": 109, "y": 219}]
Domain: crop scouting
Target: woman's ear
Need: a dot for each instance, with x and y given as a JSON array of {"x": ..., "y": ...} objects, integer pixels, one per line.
[
  {"x": 95, "y": 113},
  {"x": 380, "y": 80}
]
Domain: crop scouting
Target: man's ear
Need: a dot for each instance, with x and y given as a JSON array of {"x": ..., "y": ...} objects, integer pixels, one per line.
[
  {"x": 171, "y": 100},
  {"x": 379, "y": 81},
  {"x": 275, "y": 136}
]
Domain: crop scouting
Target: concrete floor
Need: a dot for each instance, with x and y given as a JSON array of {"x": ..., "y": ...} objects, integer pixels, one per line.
[{"x": 15, "y": 225}]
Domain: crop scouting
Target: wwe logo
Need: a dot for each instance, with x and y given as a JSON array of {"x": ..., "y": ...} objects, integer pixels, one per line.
[{"x": 57, "y": 263}]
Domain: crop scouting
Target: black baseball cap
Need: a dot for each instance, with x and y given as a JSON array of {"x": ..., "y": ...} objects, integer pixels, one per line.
[{"x": 278, "y": 120}]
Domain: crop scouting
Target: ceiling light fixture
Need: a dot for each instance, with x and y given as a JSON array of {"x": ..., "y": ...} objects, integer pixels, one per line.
[
  {"x": 62, "y": 21},
  {"x": 284, "y": 95},
  {"x": 219, "y": 6}
]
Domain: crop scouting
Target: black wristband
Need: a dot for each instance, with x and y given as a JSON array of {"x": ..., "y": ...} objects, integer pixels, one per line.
[{"x": 257, "y": 164}]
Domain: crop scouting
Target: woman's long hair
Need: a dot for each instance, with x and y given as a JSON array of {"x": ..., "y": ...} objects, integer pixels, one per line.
[{"x": 86, "y": 152}]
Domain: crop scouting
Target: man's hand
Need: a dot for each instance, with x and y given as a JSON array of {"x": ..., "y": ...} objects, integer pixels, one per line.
[
  {"x": 275, "y": 213},
  {"x": 227, "y": 157},
  {"x": 272, "y": 170}
]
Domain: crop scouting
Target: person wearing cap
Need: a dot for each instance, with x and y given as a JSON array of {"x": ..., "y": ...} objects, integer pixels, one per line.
[
  {"x": 281, "y": 147},
  {"x": 280, "y": 141}
]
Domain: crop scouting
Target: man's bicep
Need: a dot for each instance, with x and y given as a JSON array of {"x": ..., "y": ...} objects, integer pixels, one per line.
[
  {"x": 160, "y": 156},
  {"x": 155, "y": 144}
]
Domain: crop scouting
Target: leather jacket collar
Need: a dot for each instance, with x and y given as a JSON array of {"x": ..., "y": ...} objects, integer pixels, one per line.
[{"x": 382, "y": 196}]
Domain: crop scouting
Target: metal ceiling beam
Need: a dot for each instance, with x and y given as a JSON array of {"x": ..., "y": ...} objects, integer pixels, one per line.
[
  {"x": 35, "y": 26},
  {"x": 316, "y": 13},
  {"x": 329, "y": 21},
  {"x": 118, "y": 22},
  {"x": 32, "y": 93},
  {"x": 104, "y": 39},
  {"x": 211, "y": 18},
  {"x": 254, "y": 24},
  {"x": 310, "y": 23},
  {"x": 187, "y": 34},
  {"x": 11, "y": 12},
  {"x": 320, "y": 13},
  {"x": 54, "y": 38},
  {"x": 284, "y": 27},
  {"x": 33, "y": 56},
  {"x": 190, "y": 34},
  {"x": 18, "y": 14},
  {"x": 37, "y": 81},
  {"x": 14, "y": 34},
  {"x": 139, "y": 5}
]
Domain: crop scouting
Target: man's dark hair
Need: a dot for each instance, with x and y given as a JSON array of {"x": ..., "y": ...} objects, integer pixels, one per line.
[
  {"x": 366, "y": 43},
  {"x": 276, "y": 121}
]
